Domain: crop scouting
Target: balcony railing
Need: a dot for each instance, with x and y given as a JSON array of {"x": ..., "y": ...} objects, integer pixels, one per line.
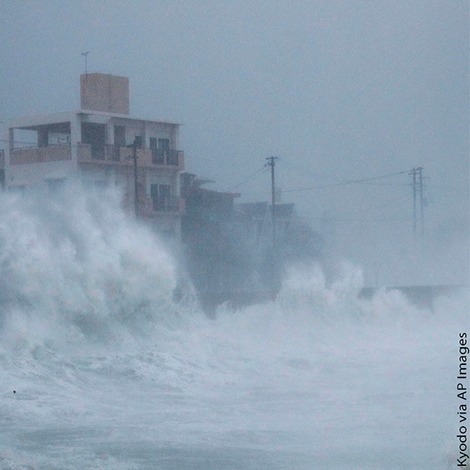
[
  {"x": 49, "y": 153},
  {"x": 95, "y": 153},
  {"x": 145, "y": 156},
  {"x": 166, "y": 157}
]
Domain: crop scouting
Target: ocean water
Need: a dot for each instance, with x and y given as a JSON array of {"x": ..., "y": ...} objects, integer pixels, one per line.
[{"x": 101, "y": 369}]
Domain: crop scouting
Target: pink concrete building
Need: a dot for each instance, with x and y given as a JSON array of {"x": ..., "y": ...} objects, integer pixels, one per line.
[{"x": 97, "y": 143}]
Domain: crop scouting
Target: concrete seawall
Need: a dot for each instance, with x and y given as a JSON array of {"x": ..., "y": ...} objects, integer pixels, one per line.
[{"x": 421, "y": 296}]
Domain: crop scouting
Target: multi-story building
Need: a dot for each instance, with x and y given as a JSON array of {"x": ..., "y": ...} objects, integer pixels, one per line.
[{"x": 104, "y": 145}]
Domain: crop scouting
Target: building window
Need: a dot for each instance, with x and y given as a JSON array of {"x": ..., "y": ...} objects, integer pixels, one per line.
[
  {"x": 160, "y": 150},
  {"x": 164, "y": 144}
]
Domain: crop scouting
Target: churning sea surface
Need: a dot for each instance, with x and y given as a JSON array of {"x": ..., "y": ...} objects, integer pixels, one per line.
[{"x": 101, "y": 369}]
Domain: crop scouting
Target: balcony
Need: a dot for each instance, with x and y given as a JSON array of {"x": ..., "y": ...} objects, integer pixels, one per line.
[
  {"x": 108, "y": 153},
  {"x": 49, "y": 153}
]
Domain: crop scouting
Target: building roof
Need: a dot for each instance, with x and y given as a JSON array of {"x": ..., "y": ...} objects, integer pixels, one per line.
[{"x": 33, "y": 121}]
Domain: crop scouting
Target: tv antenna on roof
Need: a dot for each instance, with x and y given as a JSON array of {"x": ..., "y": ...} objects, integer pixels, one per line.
[{"x": 85, "y": 54}]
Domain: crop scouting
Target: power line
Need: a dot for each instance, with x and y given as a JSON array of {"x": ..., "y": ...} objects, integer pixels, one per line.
[
  {"x": 259, "y": 170},
  {"x": 304, "y": 170},
  {"x": 344, "y": 183}
]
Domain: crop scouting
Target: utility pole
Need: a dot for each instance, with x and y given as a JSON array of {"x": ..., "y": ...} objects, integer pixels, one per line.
[
  {"x": 272, "y": 163},
  {"x": 421, "y": 199},
  {"x": 136, "y": 189},
  {"x": 417, "y": 175},
  {"x": 413, "y": 174}
]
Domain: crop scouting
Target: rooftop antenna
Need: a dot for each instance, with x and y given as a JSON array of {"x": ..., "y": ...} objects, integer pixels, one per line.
[{"x": 85, "y": 54}]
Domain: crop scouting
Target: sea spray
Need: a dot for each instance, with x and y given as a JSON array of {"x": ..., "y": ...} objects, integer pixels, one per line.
[
  {"x": 109, "y": 372},
  {"x": 78, "y": 262}
]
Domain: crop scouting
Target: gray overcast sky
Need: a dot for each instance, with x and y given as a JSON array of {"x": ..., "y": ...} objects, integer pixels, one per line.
[{"x": 338, "y": 89}]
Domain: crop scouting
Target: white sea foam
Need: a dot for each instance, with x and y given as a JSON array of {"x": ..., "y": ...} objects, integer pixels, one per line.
[{"x": 110, "y": 373}]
